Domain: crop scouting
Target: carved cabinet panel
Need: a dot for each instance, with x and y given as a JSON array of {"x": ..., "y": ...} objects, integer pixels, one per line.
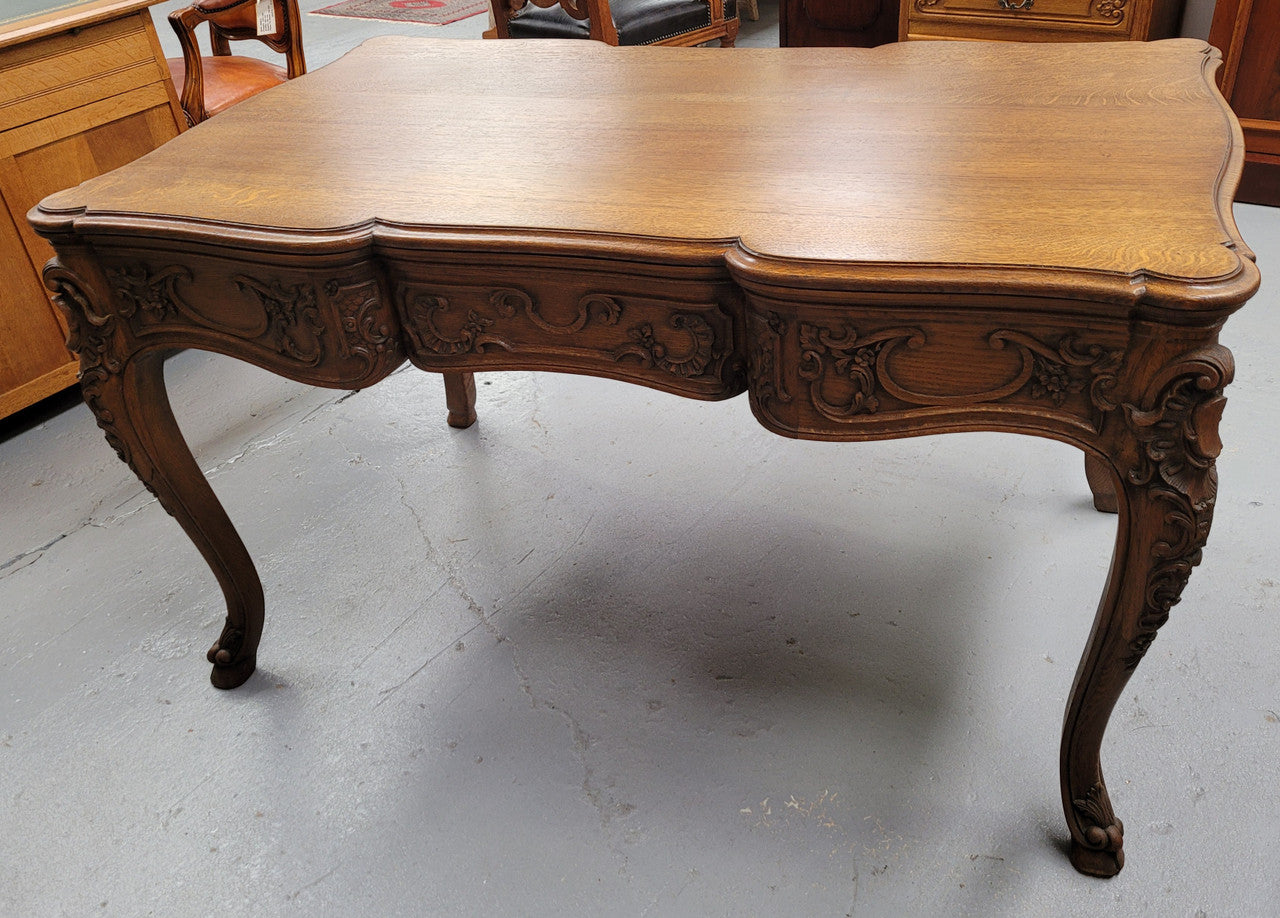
[{"x": 1042, "y": 20}]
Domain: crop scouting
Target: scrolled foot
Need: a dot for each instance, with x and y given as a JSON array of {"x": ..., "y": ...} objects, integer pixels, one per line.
[
  {"x": 1099, "y": 862},
  {"x": 232, "y": 662},
  {"x": 1101, "y": 854}
]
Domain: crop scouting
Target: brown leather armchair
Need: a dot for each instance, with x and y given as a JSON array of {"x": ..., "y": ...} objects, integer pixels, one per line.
[
  {"x": 209, "y": 84},
  {"x": 619, "y": 22}
]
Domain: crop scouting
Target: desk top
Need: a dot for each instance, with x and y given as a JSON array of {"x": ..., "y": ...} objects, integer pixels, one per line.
[{"x": 1104, "y": 164}]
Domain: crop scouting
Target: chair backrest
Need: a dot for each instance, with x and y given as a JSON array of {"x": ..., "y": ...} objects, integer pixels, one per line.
[
  {"x": 657, "y": 22},
  {"x": 597, "y": 14},
  {"x": 232, "y": 20}
]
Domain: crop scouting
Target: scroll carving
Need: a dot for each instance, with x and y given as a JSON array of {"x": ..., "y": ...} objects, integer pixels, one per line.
[
  {"x": 420, "y": 312},
  {"x": 687, "y": 361},
  {"x": 766, "y": 375},
  {"x": 1070, "y": 368},
  {"x": 668, "y": 337},
  {"x": 154, "y": 294},
  {"x": 91, "y": 336},
  {"x": 292, "y": 317},
  {"x": 507, "y": 302},
  {"x": 1101, "y": 829},
  {"x": 1177, "y": 436},
  {"x": 227, "y": 646},
  {"x": 365, "y": 335},
  {"x": 1051, "y": 373},
  {"x": 858, "y": 359}
]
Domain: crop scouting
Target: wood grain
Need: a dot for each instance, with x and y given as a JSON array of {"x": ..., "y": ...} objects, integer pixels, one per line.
[{"x": 683, "y": 144}]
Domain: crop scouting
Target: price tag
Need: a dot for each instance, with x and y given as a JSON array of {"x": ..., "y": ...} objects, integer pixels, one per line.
[{"x": 266, "y": 17}]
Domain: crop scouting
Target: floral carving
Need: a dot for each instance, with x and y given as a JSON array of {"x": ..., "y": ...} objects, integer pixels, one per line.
[
  {"x": 365, "y": 333},
  {"x": 1068, "y": 369},
  {"x": 1111, "y": 9},
  {"x": 154, "y": 294},
  {"x": 855, "y": 358},
  {"x": 1101, "y": 830},
  {"x": 689, "y": 361},
  {"x": 1177, "y": 436},
  {"x": 292, "y": 317},
  {"x": 507, "y": 302}
]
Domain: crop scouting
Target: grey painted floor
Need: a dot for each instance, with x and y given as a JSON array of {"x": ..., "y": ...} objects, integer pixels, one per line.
[{"x": 614, "y": 653}]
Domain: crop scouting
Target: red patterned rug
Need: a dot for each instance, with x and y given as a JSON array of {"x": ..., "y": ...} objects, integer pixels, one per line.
[{"x": 430, "y": 12}]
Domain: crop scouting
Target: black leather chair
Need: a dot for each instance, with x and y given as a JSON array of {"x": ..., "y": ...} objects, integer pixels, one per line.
[{"x": 619, "y": 22}]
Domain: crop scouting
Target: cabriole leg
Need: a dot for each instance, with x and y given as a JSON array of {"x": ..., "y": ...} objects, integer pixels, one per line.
[
  {"x": 1165, "y": 501},
  {"x": 132, "y": 408}
]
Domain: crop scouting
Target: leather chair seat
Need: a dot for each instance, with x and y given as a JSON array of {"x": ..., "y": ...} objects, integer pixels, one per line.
[
  {"x": 639, "y": 22},
  {"x": 229, "y": 79}
]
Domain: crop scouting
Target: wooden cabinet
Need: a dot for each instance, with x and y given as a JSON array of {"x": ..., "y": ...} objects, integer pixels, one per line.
[
  {"x": 1248, "y": 34},
  {"x": 837, "y": 23},
  {"x": 82, "y": 91},
  {"x": 1041, "y": 20}
]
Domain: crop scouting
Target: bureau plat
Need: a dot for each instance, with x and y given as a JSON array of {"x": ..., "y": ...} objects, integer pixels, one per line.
[{"x": 1031, "y": 245}]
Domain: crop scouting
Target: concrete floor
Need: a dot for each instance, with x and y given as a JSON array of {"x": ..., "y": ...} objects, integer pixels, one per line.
[{"x": 610, "y": 652}]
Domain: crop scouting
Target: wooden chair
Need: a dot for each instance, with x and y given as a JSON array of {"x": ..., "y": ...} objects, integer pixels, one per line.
[
  {"x": 619, "y": 22},
  {"x": 207, "y": 85}
]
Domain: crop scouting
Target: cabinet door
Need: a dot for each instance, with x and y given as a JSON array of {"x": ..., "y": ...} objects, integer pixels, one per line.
[
  {"x": 1248, "y": 34},
  {"x": 72, "y": 106},
  {"x": 33, "y": 361}
]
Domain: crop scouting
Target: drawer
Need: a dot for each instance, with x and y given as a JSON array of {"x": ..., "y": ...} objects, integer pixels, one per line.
[
  {"x": 977, "y": 18},
  {"x": 57, "y": 74}
]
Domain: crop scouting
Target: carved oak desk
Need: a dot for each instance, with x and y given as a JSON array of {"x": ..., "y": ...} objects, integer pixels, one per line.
[{"x": 910, "y": 240}]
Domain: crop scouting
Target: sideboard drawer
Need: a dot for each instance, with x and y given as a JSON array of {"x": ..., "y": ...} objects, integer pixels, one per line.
[{"x": 1041, "y": 20}]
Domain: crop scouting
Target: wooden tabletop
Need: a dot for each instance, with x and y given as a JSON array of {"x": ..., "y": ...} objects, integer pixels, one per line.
[{"x": 1114, "y": 159}]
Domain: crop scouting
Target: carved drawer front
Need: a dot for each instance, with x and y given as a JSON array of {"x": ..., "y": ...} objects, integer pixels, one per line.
[
  {"x": 976, "y": 18},
  {"x": 854, "y": 373},
  {"x": 677, "y": 337},
  {"x": 332, "y": 329}
]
